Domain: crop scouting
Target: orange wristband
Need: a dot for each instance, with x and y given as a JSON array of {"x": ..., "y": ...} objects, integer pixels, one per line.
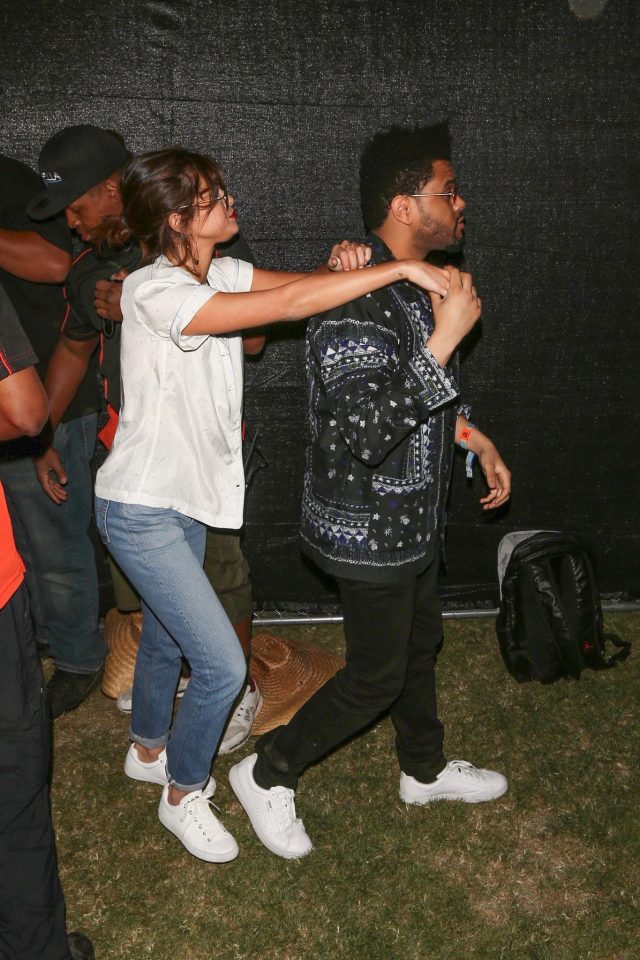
[{"x": 464, "y": 436}]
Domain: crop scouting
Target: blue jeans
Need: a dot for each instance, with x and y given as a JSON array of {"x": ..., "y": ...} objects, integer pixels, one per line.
[
  {"x": 161, "y": 552},
  {"x": 53, "y": 540}
]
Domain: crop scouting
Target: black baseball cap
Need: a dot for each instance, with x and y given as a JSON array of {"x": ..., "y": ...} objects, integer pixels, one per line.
[{"x": 71, "y": 162}]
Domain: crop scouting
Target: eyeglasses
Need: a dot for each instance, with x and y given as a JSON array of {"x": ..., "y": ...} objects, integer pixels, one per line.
[
  {"x": 452, "y": 194},
  {"x": 206, "y": 200}
]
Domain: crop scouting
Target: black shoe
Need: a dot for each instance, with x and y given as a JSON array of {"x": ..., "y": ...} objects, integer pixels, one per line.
[
  {"x": 80, "y": 946},
  {"x": 68, "y": 690}
]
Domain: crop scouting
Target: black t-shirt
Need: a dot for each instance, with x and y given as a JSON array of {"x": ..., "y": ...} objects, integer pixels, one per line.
[
  {"x": 16, "y": 353},
  {"x": 41, "y": 307},
  {"x": 83, "y": 323}
]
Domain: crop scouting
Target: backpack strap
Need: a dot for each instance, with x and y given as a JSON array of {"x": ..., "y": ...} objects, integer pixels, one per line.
[{"x": 597, "y": 661}]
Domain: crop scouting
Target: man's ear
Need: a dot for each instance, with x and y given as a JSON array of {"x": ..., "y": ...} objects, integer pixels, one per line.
[
  {"x": 400, "y": 209},
  {"x": 112, "y": 186}
]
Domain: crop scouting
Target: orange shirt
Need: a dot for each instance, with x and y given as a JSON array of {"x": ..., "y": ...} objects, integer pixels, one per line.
[{"x": 11, "y": 565}]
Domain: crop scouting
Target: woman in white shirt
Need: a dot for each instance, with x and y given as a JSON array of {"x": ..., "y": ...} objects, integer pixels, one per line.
[{"x": 176, "y": 462}]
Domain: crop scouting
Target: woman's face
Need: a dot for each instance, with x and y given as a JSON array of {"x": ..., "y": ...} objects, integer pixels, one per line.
[{"x": 215, "y": 222}]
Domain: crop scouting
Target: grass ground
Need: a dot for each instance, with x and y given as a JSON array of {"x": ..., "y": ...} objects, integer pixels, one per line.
[{"x": 547, "y": 872}]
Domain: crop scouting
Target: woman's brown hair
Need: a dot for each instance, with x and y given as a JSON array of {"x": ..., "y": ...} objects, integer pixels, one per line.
[{"x": 153, "y": 186}]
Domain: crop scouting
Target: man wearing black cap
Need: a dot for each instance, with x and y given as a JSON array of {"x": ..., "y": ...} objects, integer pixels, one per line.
[{"x": 54, "y": 542}]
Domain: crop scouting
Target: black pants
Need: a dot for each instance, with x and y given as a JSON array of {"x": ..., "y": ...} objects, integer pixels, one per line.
[
  {"x": 393, "y": 633},
  {"x": 32, "y": 908}
]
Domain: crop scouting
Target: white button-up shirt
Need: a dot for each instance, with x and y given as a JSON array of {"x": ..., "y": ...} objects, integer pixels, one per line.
[{"x": 178, "y": 444}]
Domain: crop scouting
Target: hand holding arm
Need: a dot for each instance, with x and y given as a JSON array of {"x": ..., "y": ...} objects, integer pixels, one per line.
[
  {"x": 348, "y": 256},
  {"x": 107, "y": 296},
  {"x": 455, "y": 314},
  {"x": 271, "y": 301}
]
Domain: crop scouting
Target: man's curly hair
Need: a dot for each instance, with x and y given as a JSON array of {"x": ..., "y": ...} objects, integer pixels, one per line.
[{"x": 399, "y": 161}]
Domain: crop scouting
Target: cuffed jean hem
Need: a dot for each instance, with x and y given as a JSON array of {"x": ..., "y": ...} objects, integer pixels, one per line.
[
  {"x": 147, "y": 742},
  {"x": 189, "y": 787}
]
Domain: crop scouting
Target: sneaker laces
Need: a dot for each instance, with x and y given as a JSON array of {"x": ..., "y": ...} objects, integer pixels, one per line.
[
  {"x": 200, "y": 808},
  {"x": 464, "y": 769},
  {"x": 284, "y": 808},
  {"x": 246, "y": 710}
]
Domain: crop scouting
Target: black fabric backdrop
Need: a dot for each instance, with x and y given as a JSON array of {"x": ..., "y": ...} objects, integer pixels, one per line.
[{"x": 544, "y": 113}]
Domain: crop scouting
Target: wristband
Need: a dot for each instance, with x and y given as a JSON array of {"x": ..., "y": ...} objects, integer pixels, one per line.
[
  {"x": 464, "y": 436},
  {"x": 468, "y": 466},
  {"x": 464, "y": 441}
]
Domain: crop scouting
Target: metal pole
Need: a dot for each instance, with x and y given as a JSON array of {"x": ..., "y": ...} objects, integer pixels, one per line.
[{"x": 293, "y": 619}]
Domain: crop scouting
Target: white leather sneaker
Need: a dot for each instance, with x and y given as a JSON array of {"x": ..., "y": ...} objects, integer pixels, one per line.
[
  {"x": 137, "y": 769},
  {"x": 459, "y": 780},
  {"x": 272, "y": 812},
  {"x": 194, "y": 824},
  {"x": 239, "y": 726}
]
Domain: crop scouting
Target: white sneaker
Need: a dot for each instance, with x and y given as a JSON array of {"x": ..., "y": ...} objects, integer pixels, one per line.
[
  {"x": 196, "y": 827},
  {"x": 123, "y": 703},
  {"x": 239, "y": 726},
  {"x": 137, "y": 769},
  {"x": 458, "y": 781},
  {"x": 272, "y": 812}
]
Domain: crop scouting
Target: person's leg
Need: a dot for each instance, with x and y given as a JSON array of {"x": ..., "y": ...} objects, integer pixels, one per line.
[
  {"x": 161, "y": 553},
  {"x": 126, "y": 597},
  {"x": 377, "y": 626},
  {"x": 425, "y": 774},
  {"x": 228, "y": 572},
  {"x": 53, "y": 540},
  {"x": 32, "y": 907},
  {"x": 419, "y": 732}
]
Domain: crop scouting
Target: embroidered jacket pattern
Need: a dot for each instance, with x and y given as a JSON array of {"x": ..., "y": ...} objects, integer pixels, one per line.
[{"x": 382, "y": 418}]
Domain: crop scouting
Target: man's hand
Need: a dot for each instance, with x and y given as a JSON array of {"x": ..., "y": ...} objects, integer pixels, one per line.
[
  {"x": 455, "y": 315},
  {"x": 107, "y": 296},
  {"x": 51, "y": 475},
  {"x": 496, "y": 474},
  {"x": 348, "y": 256}
]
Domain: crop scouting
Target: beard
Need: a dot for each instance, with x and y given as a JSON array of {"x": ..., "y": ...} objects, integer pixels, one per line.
[{"x": 433, "y": 234}]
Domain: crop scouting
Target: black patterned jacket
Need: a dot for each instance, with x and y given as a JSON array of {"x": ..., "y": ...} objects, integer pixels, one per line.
[{"x": 382, "y": 417}]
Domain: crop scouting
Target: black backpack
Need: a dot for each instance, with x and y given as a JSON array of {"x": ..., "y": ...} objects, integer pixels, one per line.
[{"x": 550, "y": 620}]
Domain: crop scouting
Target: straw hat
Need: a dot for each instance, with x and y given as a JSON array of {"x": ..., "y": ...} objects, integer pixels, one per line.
[
  {"x": 287, "y": 673},
  {"x": 122, "y": 633}
]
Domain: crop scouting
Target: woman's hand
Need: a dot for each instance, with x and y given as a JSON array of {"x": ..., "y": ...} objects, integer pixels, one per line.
[
  {"x": 433, "y": 279},
  {"x": 348, "y": 256}
]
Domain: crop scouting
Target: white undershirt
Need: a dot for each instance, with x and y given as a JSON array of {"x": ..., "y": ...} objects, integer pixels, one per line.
[{"x": 178, "y": 444}]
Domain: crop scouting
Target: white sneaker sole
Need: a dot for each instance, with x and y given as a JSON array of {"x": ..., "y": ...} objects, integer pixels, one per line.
[
  {"x": 468, "y": 798},
  {"x": 242, "y": 791}
]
